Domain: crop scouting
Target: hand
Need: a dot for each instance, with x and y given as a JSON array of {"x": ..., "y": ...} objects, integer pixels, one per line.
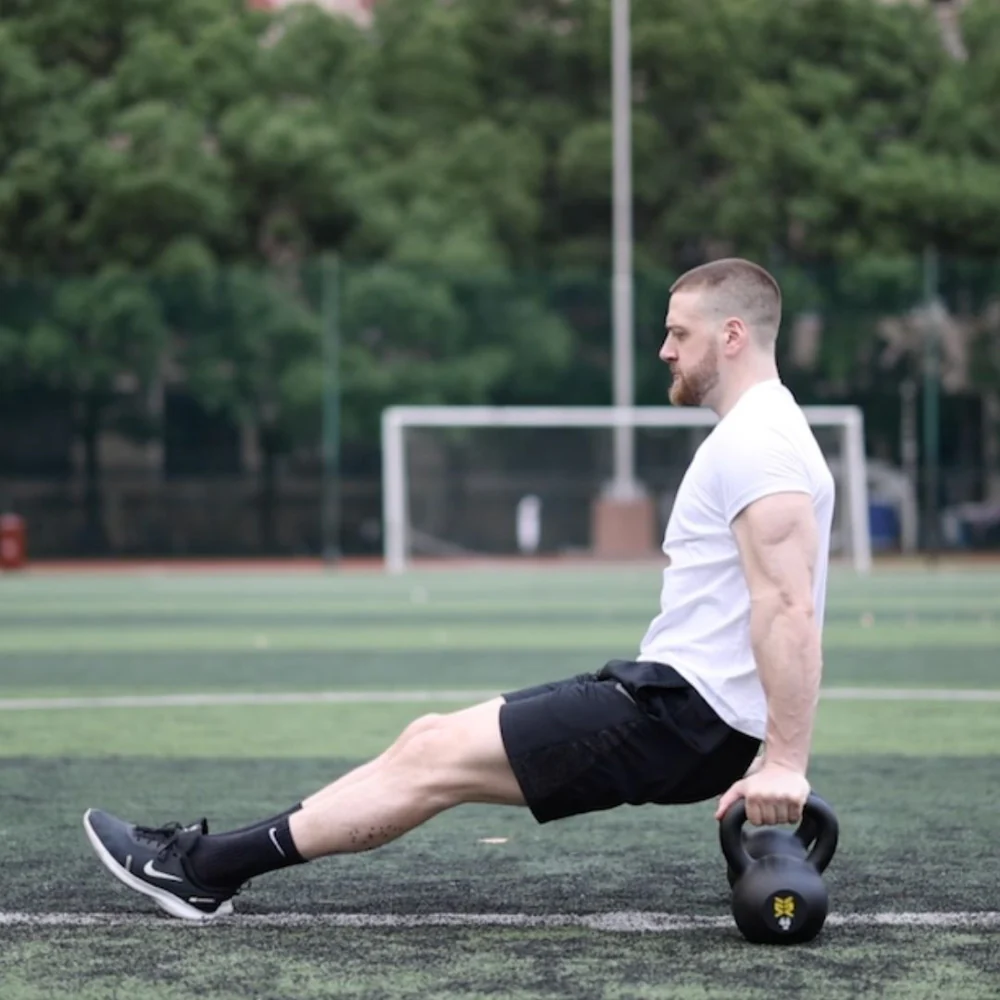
[{"x": 774, "y": 794}]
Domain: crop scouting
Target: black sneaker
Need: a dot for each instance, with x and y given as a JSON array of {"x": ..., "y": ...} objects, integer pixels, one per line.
[{"x": 153, "y": 862}]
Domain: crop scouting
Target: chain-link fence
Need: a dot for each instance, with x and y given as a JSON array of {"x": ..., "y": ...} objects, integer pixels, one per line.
[{"x": 236, "y": 412}]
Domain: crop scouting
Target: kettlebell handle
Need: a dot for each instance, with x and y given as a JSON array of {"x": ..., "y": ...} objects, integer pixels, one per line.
[{"x": 817, "y": 812}]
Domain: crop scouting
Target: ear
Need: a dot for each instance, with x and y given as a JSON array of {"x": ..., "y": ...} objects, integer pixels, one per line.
[{"x": 735, "y": 336}]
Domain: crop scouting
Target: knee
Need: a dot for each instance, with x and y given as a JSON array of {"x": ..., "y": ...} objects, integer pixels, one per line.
[
  {"x": 458, "y": 757},
  {"x": 418, "y": 727},
  {"x": 431, "y": 751},
  {"x": 428, "y": 740}
]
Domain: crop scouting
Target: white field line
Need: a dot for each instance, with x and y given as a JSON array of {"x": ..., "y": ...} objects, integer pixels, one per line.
[
  {"x": 622, "y": 922},
  {"x": 910, "y": 694},
  {"x": 207, "y": 699},
  {"x": 241, "y": 698}
]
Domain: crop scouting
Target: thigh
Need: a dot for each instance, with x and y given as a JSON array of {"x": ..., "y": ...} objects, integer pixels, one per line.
[
  {"x": 592, "y": 743},
  {"x": 575, "y": 747},
  {"x": 474, "y": 764}
]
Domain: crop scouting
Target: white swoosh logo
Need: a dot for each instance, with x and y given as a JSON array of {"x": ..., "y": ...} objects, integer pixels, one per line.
[
  {"x": 152, "y": 872},
  {"x": 274, "y": 840}
]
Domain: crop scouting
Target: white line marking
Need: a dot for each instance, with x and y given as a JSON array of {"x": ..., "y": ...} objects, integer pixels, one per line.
[
  {"x": 206, "y": 700},
  {"x": 240, "y": 698},
  {"x": 911, "y": 694},
  {"x": 622, "y": 922}
]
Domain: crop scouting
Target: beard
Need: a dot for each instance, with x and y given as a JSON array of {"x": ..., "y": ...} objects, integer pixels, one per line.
[{"x": 690, "y": 388}]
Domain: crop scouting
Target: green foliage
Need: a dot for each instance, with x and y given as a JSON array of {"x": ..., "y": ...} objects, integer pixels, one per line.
[{"x": 449, "y": 152}]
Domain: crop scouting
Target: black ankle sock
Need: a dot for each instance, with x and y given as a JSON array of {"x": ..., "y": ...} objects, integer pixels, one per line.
[
  {"x": 270, "y": 821},
  {"x": 230, "y": 859}
]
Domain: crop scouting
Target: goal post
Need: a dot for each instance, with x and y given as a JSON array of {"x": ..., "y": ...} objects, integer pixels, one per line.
[{"x": 846, "y": 421}]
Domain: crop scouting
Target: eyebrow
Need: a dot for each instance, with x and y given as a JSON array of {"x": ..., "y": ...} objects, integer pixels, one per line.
[{"x": 675, "y": 328}]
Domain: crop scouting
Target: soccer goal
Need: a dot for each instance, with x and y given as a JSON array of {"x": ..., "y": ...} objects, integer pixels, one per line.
[{"x": 472, "y": 481}]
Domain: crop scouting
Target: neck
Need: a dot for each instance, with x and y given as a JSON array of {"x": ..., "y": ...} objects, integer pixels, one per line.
[{"x": 764, "y": 369}]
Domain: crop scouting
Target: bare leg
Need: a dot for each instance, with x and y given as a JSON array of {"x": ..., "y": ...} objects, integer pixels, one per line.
[
  {"x": 437, "y": 763},
  {"x": 364, "y": 771}
]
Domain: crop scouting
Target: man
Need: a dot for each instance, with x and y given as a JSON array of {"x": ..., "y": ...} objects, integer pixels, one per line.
[{"x": 733, "y": 658}]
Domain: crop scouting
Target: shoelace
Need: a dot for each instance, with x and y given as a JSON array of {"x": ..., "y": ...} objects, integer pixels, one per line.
[{"x": 166, "y": 836}]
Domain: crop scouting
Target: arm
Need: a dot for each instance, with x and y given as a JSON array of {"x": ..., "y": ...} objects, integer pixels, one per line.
[{"x": 777, "y": 539}]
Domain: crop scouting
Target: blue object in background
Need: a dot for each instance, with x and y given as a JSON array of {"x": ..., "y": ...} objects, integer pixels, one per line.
[{"x": 883, "y": 524}]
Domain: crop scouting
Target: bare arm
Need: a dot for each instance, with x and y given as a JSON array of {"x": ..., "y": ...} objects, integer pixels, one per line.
[{"x": 777, "y": 539}]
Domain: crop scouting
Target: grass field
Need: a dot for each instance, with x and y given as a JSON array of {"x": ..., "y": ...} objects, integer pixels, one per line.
[{"x": 165, "y": 696}]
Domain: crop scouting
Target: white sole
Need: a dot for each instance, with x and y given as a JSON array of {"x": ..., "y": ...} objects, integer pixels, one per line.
[{"x": 165, "y": 900}]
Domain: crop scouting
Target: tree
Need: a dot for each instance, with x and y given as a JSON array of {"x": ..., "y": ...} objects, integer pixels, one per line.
[
  {"x": 188, "y": 164},
  {"x": 85, "y": 337},
  {"x": 105, "y": 162},
  {"x": 248, "y": 346}
]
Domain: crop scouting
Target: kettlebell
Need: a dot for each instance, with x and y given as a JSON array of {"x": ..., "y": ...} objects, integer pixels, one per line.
[
  {"x": 780, "y": 898},
  {"x": 774, "y": 840}
]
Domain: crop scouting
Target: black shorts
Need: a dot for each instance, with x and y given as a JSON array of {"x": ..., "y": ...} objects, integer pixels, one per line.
[{"x": 632, "y": 733}]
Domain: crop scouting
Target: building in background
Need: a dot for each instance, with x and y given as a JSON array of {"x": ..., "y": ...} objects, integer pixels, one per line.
[
  {"x": 359, "y": 10},
  {"x": 949, "y": 14}
]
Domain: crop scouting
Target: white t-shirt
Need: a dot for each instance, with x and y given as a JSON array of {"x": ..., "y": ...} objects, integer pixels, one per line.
[{"x": 763, "y": 445}]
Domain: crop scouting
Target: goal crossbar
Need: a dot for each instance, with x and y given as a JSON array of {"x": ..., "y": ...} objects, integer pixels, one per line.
[{"x": 396, "y": 419}]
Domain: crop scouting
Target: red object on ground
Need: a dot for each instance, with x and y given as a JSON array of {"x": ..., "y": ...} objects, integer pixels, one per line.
[{"x": 13, "y": 542}]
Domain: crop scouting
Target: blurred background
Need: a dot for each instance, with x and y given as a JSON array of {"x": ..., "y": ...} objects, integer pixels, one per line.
[{"x": 232, "y": 233}]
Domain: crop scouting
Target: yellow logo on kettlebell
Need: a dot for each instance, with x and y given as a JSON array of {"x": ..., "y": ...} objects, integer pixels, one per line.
[{"x": 784, "y": 911}]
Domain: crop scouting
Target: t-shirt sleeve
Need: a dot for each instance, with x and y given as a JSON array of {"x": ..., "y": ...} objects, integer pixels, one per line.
[{"x": 758, "y": 466}]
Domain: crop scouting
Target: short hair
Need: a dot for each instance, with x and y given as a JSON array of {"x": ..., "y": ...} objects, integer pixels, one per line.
[{"x": 740, "y": 288}]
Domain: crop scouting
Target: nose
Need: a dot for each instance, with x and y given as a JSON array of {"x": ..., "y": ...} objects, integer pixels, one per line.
[{"x": 667, "y": 352}]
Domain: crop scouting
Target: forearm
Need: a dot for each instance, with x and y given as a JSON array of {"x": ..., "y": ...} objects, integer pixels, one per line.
[{"x": 786, "y": 645}]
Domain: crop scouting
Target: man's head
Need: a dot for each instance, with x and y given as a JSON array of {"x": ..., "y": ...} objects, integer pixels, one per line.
[{"x": 723, "y": 321}]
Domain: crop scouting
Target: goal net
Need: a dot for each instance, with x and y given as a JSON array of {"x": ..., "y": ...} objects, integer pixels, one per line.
[{"x": 470, "y": 482}]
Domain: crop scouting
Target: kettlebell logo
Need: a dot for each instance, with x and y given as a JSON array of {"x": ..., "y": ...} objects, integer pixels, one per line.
[{"x": 784, "y": 911}]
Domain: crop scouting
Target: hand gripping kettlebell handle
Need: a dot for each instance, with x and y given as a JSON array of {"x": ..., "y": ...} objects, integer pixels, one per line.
[{"x": 816, "y": 812}]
